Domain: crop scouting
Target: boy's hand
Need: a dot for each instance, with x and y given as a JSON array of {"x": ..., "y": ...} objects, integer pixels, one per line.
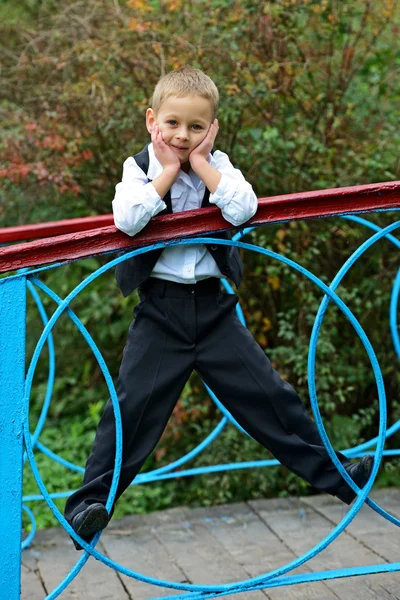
[
  {"x": 164, "y": 154},
  {"x": 205, "y": 147}
]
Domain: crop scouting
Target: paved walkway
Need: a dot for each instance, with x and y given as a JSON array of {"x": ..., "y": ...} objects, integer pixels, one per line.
[{"x": 223, "y": 544}]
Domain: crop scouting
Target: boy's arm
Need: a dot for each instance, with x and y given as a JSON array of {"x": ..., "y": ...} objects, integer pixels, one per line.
[
  {"x": 136, "y": 199},
  {"x": 228, "y": 188},
  {"x": 164, "y": 181},
  {"x": 207, "y": 173}
]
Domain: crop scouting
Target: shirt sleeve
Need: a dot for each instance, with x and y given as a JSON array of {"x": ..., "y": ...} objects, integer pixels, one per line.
[
  {"x": 234, "y": 195},
  {"x": 136, "y": 200}
]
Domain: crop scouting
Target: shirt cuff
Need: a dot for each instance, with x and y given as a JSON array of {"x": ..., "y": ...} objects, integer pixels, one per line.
[{"x": 224, "y": 192}]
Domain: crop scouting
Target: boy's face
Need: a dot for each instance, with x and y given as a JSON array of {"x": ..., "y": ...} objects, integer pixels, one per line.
[{"x": 184, "y": 123}]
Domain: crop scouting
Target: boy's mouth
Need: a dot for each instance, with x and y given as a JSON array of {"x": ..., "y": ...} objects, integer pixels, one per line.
[{"x": 179, "y": 148}]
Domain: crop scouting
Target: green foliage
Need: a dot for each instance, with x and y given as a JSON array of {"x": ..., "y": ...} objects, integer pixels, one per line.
[{"x": 309, "y": 98}]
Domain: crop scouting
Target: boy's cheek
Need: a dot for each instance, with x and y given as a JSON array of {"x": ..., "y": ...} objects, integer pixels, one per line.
[{"x": 198, "y": 144}]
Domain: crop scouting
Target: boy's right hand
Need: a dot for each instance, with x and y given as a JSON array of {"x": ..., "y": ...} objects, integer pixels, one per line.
[{"x": 164, "y": 154}]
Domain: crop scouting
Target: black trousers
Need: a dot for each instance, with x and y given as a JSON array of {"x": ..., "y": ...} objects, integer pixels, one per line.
[{"x": 179, "y": 328}]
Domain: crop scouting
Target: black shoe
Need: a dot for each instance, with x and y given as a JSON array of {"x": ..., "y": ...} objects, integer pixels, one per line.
[
  {"x": 88, "y": 522},
  {"x": 359, "y": 472}
]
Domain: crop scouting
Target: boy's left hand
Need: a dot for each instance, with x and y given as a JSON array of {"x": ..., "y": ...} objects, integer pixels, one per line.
[{"x": 205, "y": 147}]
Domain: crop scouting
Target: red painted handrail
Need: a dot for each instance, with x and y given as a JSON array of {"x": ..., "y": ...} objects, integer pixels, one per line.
[
  {"x": 80, "y": 242},
  {"x": 41, "y": 230}
]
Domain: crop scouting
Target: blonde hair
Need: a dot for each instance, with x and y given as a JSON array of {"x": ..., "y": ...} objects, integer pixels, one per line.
[{"x": 182, "y": 82}]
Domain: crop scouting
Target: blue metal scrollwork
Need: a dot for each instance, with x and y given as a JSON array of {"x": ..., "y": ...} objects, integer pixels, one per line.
[{"x": 12, "y": 286}]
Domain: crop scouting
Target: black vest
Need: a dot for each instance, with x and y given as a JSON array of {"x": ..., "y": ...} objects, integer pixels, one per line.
[{"x": 133, "y": 272}]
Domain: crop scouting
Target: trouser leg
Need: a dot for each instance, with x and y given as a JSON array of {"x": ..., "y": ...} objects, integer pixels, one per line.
[
  {"x": 236, "y": 368},
  {"x": 155, "y": 366}
]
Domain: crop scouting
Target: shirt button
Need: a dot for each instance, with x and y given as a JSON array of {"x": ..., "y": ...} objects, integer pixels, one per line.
[
  {"x": 214, "y": 247},
  {"x": 192, "y": 291}
]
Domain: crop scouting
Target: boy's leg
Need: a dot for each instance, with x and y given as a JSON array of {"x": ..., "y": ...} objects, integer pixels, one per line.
[
  {"x": 155, "y": 366},
  {"x": 236, "y": 368}
]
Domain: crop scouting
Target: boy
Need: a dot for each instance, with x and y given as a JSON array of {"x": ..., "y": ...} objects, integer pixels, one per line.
[{"x": 183, "y": 321}]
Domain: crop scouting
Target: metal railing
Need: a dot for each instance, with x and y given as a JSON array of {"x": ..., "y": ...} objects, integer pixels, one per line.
[{"x": 80, "y": 238}]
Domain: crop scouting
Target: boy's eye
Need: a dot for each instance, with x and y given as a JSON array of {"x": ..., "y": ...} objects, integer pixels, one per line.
[{"x": 173, "y": 122}]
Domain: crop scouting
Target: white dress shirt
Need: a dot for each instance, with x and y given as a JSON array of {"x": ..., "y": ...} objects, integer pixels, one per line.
[{"x": 136, "y": 201}]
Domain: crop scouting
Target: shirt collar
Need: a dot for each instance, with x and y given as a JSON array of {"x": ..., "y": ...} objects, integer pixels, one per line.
[{"x": 155, "y": 167}]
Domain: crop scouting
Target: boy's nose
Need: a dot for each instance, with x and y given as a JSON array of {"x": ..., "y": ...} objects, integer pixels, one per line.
[{"x": 182, "y": 133}]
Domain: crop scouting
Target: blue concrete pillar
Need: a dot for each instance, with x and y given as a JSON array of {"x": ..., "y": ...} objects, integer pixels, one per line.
[{"x": 12, "y": 380}]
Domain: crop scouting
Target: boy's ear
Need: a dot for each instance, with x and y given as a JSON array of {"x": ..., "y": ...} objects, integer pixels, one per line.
[{"x": 150, "y": 119}]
